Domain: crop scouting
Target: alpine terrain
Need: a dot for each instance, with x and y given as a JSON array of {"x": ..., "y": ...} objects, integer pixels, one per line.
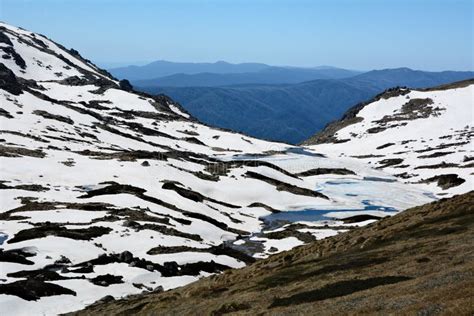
[{"x": 106, "y": 192}]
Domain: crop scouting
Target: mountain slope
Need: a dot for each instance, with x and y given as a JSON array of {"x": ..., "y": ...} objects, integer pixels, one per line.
[
  {"x": 108, "y": 192},
  {"x": 292, "y": 113},
  {"x": 419, "y": 136},
  {"x": 417, "y": 262}
]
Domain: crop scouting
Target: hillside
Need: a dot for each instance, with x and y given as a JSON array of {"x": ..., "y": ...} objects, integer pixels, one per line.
[
  {"x": 419, "y": 136},
  {"x": 108, "y": 192},
  {"x": 292, "y": 113},
  {"x": 417, "y": 262}
]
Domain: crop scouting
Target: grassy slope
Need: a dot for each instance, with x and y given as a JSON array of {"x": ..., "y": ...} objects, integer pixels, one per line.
[{"x": 419, "y": 261}]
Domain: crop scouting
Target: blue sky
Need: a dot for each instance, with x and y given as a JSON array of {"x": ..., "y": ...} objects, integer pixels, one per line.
[{"x": 357, "y": 34}]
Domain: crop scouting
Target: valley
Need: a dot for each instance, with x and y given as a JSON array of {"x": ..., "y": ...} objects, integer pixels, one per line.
[{"x": 289, "y": 112}]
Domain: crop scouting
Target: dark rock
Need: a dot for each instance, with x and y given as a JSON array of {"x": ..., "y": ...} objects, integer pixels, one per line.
[
  {"x": 385, "y": 145},
  {"x": 272, "y": 249},
  {"x": 32, "y": 290},
  {"x": 196, "y": 268},
  {"x": 446, "y": 181},
  {"x": 150, "y": 267},
  {"x": 367, "y": 156},
  {"x": 107, "y": 279},
  {"x": 39, "y": 274},
  {"x": 194, "y": 140},
  {"x": 170, "y": 268},
  {"x": 106, "y": 299},
  {"x": 16, "y": 57},
  {"x": 375, "y": 130},
  {"x": 63, "y": 260},
  {"x": 437, "y": 154},
  {"x": 438, "y": 166},
  {"x": 8, "y": 81},
  {"x": 389, "y": 162},
  {"x": 16, "y": 256},
  {"x": 268, "y": 208},
  {"x": 319, "y": 171},
  {"x": 126, "y": 257},
  {"x": 5, "y": 39},
  {"x": 359, "y": 218},
  {"x": 125, "y": 85},
  {"x": 192, "y": 195},
  {"x": 282, "y": 186},
  {"x": 85, "y": 269},
  {"x": 56, "y": 117},
  {"x": 5, "y": 113},
  {"x": 468, "y": 158},
  {"x": 75, "y": 81},
  {"x": 49, "y": 229}
]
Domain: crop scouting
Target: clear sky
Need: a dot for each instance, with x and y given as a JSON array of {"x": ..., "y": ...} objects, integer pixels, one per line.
[{"x": 357, "y": 34}]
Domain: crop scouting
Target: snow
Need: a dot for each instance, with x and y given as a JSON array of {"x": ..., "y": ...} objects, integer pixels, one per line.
[
  {"x": 278, "y": 244},
  {"x": 321, "y": 233},
  {"x": 453, "y": 124},
  {"x": 175, "y": 109}
]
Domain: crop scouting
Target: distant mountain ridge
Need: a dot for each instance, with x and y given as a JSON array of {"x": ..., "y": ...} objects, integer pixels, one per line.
[
  {"x": 222, "y": 73},
  {"x": 161, "y": 68},
  {"x": 271, "y": 75},
  {"x": 293, "y": 112}
]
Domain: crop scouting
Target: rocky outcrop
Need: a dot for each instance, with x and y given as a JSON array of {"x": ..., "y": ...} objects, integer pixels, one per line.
[{"x": 8, "y": 81}]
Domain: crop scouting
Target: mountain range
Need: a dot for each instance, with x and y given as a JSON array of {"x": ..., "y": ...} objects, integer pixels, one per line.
[
  {"x": 222, "y": 73},
  {"x": 293, "y": 112},
  {"x": 271, "y": 75}
]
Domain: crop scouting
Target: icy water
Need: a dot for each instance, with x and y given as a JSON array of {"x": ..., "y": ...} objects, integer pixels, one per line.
[
  {"x": 3, "y": 237},
  {"x": 312, "y": 215},
  {"x": 292, "y": 150},
  {"x": 302, "y": 151}
]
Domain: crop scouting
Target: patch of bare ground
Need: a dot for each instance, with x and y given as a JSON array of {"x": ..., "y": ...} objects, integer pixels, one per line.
[{"x": 420, "y": 261}]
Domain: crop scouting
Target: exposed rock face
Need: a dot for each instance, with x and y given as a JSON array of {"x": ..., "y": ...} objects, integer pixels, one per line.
[
  {"x": 446, "y": 181},
  {"x": 8, "y": 81},
  {"x": 125, "y": 85}
]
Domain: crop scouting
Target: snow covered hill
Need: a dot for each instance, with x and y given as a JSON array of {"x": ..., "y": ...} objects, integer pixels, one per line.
[
  {"x": 422, "y": 137},
  {"x": 105, "y": 192}
]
